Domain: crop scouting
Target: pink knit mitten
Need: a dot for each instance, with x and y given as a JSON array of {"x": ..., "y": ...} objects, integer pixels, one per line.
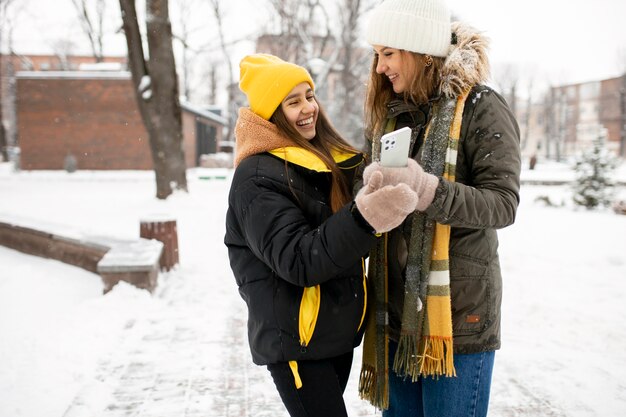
[
  {"x": 423, "y": 183},
  {"x": 385, "y": 207}
]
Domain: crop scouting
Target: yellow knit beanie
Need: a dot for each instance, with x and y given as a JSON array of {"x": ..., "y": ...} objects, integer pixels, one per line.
[{"x": 267, "y": 79}]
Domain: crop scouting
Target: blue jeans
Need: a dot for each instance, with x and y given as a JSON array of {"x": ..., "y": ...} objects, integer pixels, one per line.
[{"x": 467, "y": 395}]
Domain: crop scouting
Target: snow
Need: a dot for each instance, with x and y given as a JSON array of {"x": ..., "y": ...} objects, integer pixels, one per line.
[
  {"x": 145, "y": 83},
  {"x": 147, "y": 95},
  {"x": 139, "y": 255},
  {"x": 144, "y": 87},
  {"x": 101, "y": 66},
  {"x": 564, "y": 272}
]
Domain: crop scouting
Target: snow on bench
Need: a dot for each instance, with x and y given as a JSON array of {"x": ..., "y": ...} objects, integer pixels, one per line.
[{"x": 115, "y": 260}]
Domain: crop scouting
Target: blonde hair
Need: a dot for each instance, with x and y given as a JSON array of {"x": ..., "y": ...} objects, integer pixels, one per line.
[
  {"x": 326, "y": 139},
  {"x": 425, "y": 82}
]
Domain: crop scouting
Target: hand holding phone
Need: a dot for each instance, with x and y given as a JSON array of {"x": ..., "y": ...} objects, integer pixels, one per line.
[{"x": 394, "y": 148}]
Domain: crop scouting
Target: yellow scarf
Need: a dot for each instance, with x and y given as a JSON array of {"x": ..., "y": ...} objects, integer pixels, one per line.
[{"x": 425, "y": 345}]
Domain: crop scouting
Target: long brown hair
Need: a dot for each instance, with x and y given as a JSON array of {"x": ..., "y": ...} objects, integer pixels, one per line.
[
  {"x": 424, "y": 85},
  {"x": 326, "y": 139}
]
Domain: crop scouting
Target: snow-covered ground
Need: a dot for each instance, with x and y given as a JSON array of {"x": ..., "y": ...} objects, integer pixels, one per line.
[{"x": 563, "y": 312}]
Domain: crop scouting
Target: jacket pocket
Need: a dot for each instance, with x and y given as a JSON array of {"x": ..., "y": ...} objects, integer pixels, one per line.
[
  {"x": 471, "y": 292},
  {"x": 309, "y": 311}
]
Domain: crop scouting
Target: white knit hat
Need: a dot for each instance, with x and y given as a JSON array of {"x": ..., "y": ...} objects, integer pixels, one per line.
[{"x": 421, "y": 26}]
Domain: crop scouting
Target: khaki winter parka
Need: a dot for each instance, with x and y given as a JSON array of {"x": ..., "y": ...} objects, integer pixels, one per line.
[{"x": 483, "y": 198}]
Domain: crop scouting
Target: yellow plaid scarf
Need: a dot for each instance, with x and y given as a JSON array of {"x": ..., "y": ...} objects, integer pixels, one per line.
[{"x": 425, "y": 345}]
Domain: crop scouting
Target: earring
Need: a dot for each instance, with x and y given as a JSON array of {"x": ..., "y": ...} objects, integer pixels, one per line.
[{"x": 428, "y": 60}]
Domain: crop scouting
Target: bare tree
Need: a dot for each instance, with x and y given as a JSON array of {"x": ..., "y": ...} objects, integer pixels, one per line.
[
  {"x": 186, "y": 9},
  {"x": 92, "y": 25},
  {"x": 4, "y": 154},
  {"x": 4, "y": 5},
  {"x": 156, "y": 88},
  {"x": 9, "y": 12},
  {"x": 211, "y": 77},
  {"x": 622, "y": 96},
  {"x": 527, "y": 116},
  {"x": 63, "y": 50},
  {"x": 305, "y": 37},
  {"x": 354, "y": 64},
  {"x": 507, "y": 78},
  {"x": 620, "y": 60},
  {"x": 557, "y": 122},
  {"x": 302, "y": 31},
  {"x": 217, "y": 12}
]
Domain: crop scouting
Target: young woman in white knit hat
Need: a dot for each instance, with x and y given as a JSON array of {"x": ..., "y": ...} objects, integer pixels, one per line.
[
  {"x": 435, "y": 281},
  {"x": 297, "y": 237}
]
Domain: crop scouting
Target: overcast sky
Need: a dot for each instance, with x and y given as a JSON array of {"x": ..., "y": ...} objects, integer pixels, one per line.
[
  {"x": 560, "y": 41},
  {"x": 572, "y": 40}
]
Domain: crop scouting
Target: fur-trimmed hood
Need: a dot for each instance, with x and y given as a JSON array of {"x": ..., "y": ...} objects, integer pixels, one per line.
[{"x": 467, "y": 64}]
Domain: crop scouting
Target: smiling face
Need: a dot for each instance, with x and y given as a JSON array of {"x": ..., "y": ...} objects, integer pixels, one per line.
[
  {"x": 301, "y": 110},
  {"x": 393, "y": 65}
]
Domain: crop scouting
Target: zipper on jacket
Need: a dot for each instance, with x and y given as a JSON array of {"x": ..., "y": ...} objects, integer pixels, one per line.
[
  {"x": 307, "y": 319},
  {"x": 309, "y": 310},
  {"x": 364, "y": 294}
]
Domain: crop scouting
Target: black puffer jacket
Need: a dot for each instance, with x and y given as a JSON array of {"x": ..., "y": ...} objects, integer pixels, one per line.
[{"x": 299, "y": 267}]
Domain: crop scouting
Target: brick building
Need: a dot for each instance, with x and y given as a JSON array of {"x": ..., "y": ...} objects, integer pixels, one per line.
[
  {"x": 572, "y": 116},
  {"x": 94, "y": 117},
  {"x": 12, "y": 63}
]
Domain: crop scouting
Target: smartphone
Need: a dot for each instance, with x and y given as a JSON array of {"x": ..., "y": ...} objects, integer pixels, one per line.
[{"x": 394, "y": 148}]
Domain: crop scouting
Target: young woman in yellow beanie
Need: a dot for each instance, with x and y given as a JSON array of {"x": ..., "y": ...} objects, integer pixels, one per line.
[
  {"x": 436, "y": 278},
  {"x": 297, "y": 238}
]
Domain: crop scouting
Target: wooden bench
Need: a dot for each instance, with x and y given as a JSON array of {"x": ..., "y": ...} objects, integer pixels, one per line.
[{"x": 134, "y": 261}]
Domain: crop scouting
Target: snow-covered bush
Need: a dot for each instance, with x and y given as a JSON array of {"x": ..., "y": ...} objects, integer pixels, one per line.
[{"x": 594, "y": 186}]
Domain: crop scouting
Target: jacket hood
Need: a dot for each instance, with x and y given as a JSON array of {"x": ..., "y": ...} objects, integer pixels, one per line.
[
  {"x": 467, "y": 63},
  {"x": 254, "y": 135}
]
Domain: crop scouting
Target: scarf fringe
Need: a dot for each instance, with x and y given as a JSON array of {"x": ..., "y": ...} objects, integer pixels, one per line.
[
  {"x": 437, "y": 360},
  {"x": 406, "y": 360},
  {"x": 438, "y": 357},
  {"x": 370, "y": 390}
]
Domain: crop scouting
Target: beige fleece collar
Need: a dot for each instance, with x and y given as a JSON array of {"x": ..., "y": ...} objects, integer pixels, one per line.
[{"x": 256, "y": 135}]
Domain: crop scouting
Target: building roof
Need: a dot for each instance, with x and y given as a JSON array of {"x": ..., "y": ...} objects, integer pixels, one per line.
[
  {"x": 204, "y": 113},
  {"x": 33, "y": 75}
]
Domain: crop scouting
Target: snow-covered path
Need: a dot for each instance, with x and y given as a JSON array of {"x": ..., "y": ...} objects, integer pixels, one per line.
[{"x": 71, "y": 352}]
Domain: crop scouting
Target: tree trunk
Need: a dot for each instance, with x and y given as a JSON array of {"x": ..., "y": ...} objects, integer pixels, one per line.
[
  {"x": 3, "y": 140},
  {"x": 622, "y": 99},
  {"x": 3, "y": 137},
  {"x": 157, "y": 96}
]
